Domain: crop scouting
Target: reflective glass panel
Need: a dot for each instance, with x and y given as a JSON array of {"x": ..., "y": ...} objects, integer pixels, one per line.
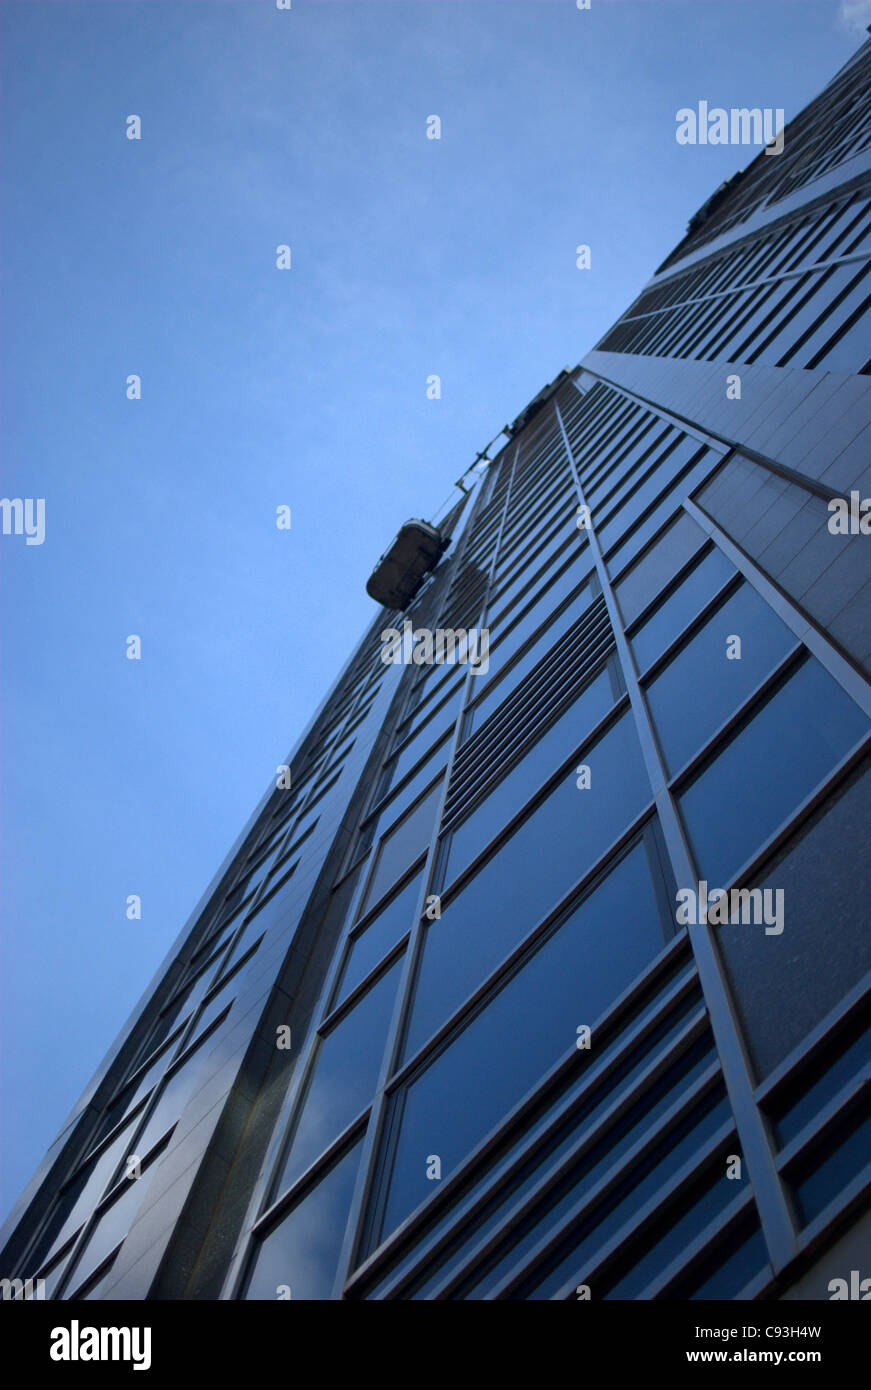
[
  {"x": 767, "y": 768},
  {"x": 302, "y": 1253},
  {"x": 561, "y": 839},
  {"x": 570, "y": 980},
  {"x": 344, "y": 1075},
  {"x": 703, "y": 685}
]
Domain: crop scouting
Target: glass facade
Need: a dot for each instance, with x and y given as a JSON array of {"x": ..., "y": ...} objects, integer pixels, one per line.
[{"x": 557, "y": 973}]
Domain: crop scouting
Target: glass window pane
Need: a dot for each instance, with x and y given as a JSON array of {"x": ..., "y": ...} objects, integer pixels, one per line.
[
  {"x": 547, "y": 640},
  {"x": 507, "y": 645},
  {"x": 282, "y": 910},
  {"x": 302, "y": 1253},
  {"x": 403, "y": 799},
  {"x": 566, "y": 535},
  {"x": 658, "y": 565},
  {"x": 93, "y": 1185},
  {"x": 620, "y": 1137},
  {"x": 402, "y": 845},
  {"x": 677, "y": 611},
  {"x": 428, "y": 734},
  {"x": 217, "y": 1004},
  {"x": 171, "y": 1102},
  {"x": 767, "y": 768},
  {"x": 343, "y": 1077},
  {"x": 833, "y": 1165},
  {"x": 828, "y": 871},
  {"x": 112, "y": 1226},
  {"x": 411, "y": 754},
  {"x": 570, "y": 980},
  {"x": 645, "y": 529},
  {"x": 645, "y": 493},
  {"x": 701, "y": 686},
  {"x": 524, "y": 779},
  {"x": 562, "y": 838},
  {"x": 131, "y": 1097},
  {"x": 379, "y": 937}
]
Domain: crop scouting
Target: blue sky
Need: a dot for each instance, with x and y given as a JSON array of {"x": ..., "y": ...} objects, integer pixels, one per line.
[{"x": 263, "y": 387}]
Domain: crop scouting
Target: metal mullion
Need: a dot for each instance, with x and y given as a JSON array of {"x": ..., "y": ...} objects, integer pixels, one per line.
[
  {"x": 348, "y": 1002},
  {"x": 774, "y": 1209},
  {"x": 609, "y": 507},
  {"x": 614, "y": 714},
  {"x": 359, "y": 925},
  {"x": 752, "y": 285},
  {"x": 392, "y": 792},
  {"x": 586, "y": 621},
  {"x": 694, "y": 626},
  {"x": 367, "y": 1173},
  {"x": 513, "y": 741},
  {"x": 605, "y": 476},
  {"x": 277, "y": 1211},
  {"x": 793, "y": 823},
  {"x": 526, "y": 579},
  {"x": 540, "y": 537},
  {"x": 715, "y": 441},
  {"x": 549, "y": 698},
  {"x": 636, "y": 425},
  {"x": 825, "y": 313},
  {"x": 262, "y": 1204},
  {"x": 816, "y": 1235},
  {"x": 90, "y": 1222}
]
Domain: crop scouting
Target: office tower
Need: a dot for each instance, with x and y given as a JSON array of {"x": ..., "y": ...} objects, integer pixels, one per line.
[{"x": 545, "y": 967}]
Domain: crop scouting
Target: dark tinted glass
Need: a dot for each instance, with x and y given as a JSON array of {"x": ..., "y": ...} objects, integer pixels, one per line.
[
  {"x": 508, "y": 645},
  {"x": 833, "y": 1165},
  {"x": 701, "y": 686},
  {"x": 372, "y": 945},
  {"x": 681, "y": 606},
  {"x": 402, "y": 845},
  {"x": 569, "y": 981},
  {"x": 550, "y": 851},
  {"x": 739, "y": 1264},
  {"x": 705, "y": 1203},
  {"x": 302, "y": 1253},
  {"x": 658, "y": 565},
  {"x": 767, "y": 768},
  {"x": 344, "y": 1076},
  {"x": 526, "y": 777},
  {"x": 549, "y": 636}
]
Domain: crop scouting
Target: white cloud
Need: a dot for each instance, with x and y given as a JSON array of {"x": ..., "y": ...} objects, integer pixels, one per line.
[{"x": 854, "y": 15}]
